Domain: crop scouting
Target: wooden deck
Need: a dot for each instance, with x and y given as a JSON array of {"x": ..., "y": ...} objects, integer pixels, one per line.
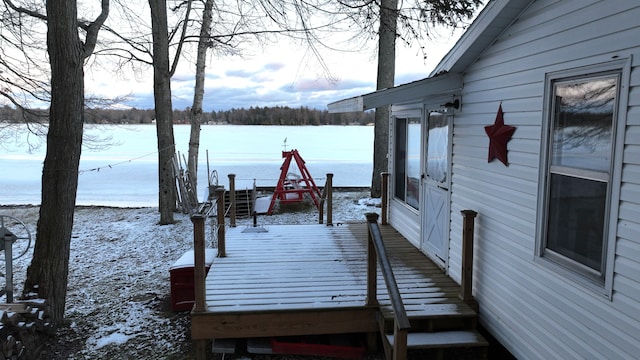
[{"x": 311, "y": 279}]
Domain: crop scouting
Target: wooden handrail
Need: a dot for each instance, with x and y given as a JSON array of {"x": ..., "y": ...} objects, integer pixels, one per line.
[{"x": 376, "y": 244}]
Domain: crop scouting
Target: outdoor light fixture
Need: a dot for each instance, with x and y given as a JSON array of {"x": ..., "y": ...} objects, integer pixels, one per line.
[{"x": 455, "y": 104}]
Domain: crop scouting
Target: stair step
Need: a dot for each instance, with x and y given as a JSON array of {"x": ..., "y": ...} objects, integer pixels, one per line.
[
  {"x": 442, "y": 339},
  {"x": 433, "y": 312}
]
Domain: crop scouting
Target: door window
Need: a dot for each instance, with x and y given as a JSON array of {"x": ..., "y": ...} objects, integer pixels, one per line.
[
  {"x": 407, "y": 160},
  {"x": 437, "y": 147}
]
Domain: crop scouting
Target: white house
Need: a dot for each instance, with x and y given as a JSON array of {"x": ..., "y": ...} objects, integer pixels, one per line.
[{"x": 557, "y": 236}]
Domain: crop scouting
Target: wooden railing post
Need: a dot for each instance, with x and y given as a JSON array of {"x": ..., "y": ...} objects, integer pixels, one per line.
[
  {"x": 329, "y": 187},
  {"x": 399, "y": 343},
  {"x": 384, "y": 197},
  {"x": 198, "y": 262},
  {"x": 232, "y": 200},
  {"x": 466, "y": 283},
  {"x": 222, "y": 252},
  {"x": 372, "y": 264},
  {"x": 321, "y": 208}
]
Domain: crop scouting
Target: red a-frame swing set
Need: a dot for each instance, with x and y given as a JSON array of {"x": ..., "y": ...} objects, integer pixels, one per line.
[{"x": 291, "y": 187}]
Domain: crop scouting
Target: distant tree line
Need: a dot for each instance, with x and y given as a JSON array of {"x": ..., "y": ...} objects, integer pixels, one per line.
[{"x": 279, "y": 115}]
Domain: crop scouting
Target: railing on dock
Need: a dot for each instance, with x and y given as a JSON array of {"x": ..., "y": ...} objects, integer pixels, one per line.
[
  {"x": 376, "y": 252},
  {"x": 327, "y": 195}
]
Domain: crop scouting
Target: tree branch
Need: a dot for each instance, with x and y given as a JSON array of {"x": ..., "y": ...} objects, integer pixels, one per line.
[
  {"x": 92, "y": 32},
  {"x": 174, "y": 64}
]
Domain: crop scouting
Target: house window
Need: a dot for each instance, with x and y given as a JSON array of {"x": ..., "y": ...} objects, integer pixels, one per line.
[
  {"x": 407, "y": 160},
  {"x": 578, "y": 181}
]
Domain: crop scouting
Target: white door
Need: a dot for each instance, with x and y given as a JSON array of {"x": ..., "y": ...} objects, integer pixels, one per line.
[{"x": 435, "y": 186}]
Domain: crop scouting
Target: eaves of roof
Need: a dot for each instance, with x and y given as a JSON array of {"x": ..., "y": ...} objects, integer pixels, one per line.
[{"x": 492, "y": 21}]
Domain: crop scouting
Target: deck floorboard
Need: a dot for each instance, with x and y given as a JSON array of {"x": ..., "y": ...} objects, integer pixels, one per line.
[{"x": 296, "y": 269}]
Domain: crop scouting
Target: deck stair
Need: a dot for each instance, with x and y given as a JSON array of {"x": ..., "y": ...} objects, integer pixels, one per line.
[
  {"x": 410, "y": 320},
  {"x": 244, "y": 202},
  {"x": 437, "y": 328}
]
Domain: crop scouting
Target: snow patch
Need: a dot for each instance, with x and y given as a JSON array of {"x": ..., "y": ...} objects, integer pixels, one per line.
[{"x": 113, "y": 339}]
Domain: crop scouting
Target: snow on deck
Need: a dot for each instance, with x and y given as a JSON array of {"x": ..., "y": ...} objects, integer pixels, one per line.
[
  {"x": 288, "y": 267},
  {"x": 317, "y": 266}
]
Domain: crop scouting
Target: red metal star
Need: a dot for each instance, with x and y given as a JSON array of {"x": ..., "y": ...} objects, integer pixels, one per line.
[{"x": 499, "y": 135}]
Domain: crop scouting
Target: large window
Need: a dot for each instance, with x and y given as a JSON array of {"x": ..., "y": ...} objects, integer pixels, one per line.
[
  {"x": 579, "y": 165},
  {"x": 407, "y": 160}
]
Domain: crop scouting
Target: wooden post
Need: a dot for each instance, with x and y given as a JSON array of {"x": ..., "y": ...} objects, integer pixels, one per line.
[
  {"x": 200, "y": 349},
  {"x": 329, "y": 199},
  {"x": 399, "y": 343},
  {"x": 384, "y": 197},
  {"x": 232, "y": 200},
  {"x": 198, "y": 262},
  {"x": 222, "y": 252},
  {"x": 466, "y": 282},
  {"x": 372, "y": 265}
]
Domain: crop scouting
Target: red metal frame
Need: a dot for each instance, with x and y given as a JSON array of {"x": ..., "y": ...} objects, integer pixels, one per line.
[{"x": 293, "y": 190}]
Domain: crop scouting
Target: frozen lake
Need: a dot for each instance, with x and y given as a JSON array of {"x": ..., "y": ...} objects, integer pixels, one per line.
[{"x": 125, "y": 173}]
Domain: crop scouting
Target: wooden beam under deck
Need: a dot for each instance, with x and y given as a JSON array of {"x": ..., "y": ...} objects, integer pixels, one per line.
[
  {"x": 311, "y": 279},
  {"x": 218, "y": 325}
]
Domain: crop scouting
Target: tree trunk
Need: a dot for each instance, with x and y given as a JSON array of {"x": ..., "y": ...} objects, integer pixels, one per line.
[
  {"x": 198, "y": 94},
  {"x": 48, "y": 273},
  {"x": 386, "y": 75},
  {"x": 163, "y": 110}
]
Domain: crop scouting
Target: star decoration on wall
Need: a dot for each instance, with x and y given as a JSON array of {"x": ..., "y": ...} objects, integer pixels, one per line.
[{"x": 499, "y": 135}]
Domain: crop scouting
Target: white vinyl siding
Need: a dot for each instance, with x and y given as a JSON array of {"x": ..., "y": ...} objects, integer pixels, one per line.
[{"x": 534, "y": 311}]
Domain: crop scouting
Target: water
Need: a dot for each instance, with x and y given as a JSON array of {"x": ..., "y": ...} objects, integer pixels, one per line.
[{"x": 125, "y": 173}]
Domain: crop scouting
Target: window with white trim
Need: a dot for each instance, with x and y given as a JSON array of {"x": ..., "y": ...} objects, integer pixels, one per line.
[
  {"x": 407, "y": 132},
  {"x": 578, "y": 173}
]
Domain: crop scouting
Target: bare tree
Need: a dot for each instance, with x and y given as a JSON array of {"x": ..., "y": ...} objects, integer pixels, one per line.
[
  {"x": 198, "y": 94},
  {"x": 162, "y": 72},
  {"x": 48, "y": 273},
  {"x": 243, "y": 22},
  {"x": 386, "y": 75}
]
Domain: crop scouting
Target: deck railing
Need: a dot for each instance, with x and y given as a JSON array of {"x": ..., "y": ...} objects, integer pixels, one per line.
[
  {"x": 384, "y": 197},
  {"x": 199, "y": 267},
  {"x": 327, "y": 195},
  {"x": 199, "y": 272},
  {"x": 222, "y": 249},
  {"x": 401, "y": 320},
  {"x": 232, "y": 200},
  {"x": 466, "y": 282}
]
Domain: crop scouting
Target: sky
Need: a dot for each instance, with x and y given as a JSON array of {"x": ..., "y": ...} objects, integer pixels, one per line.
[{"x": 282, "y": 75}]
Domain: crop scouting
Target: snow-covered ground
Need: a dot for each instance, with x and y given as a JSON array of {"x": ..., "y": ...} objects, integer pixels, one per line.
[{"x": 118, "y": 301}]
